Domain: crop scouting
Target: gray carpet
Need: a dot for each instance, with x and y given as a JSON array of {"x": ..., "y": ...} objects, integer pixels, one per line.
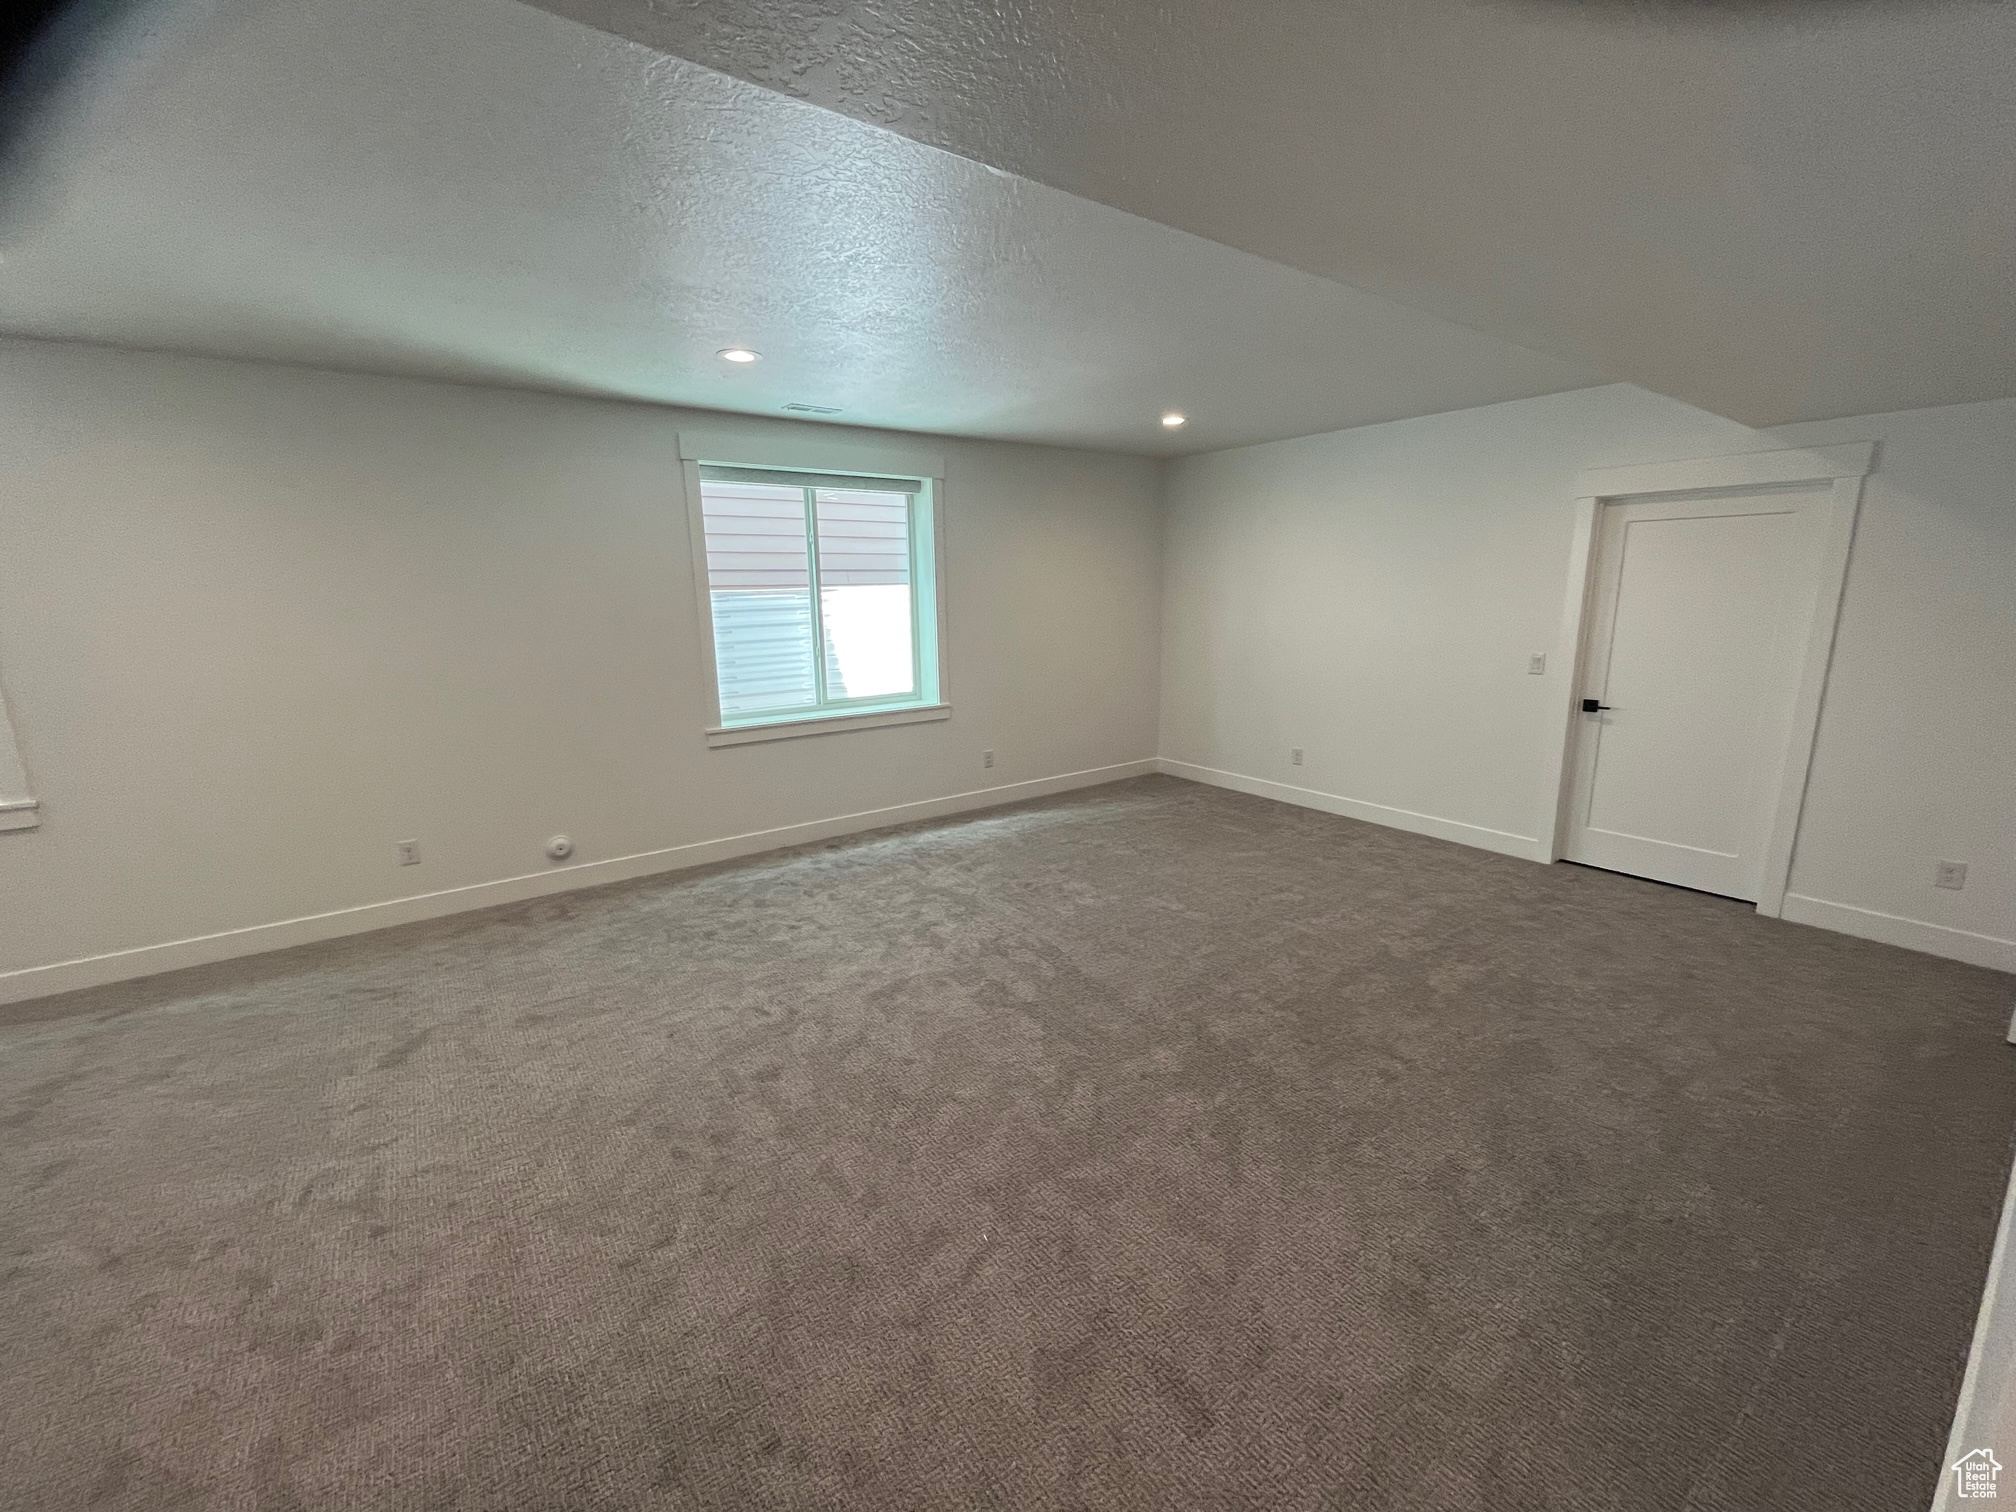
[{"x": 1149, "y": 1148}]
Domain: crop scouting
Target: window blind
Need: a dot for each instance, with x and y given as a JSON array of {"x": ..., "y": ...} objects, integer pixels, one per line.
[
  {"x": 711, "y": 472},
  {"x": 813, "y": 579}
]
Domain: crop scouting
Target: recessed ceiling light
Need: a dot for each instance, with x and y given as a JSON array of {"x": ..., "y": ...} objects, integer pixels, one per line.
[
  {"x": 737, "y": 354},
  {"x": 1174, "y": 419}
]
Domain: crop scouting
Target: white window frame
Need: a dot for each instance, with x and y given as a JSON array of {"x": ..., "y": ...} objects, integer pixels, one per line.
[
  {"x": 840, "y": 456},
  {"x": 19, "y": 809}
]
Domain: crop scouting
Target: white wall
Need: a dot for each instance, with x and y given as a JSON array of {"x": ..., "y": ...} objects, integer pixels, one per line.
[
  {"x": 1372, "y": 595},
  {"x": 257, "y": 623}
]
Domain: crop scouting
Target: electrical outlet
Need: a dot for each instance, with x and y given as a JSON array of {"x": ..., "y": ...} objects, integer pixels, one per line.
[
  {"x": 1950, "y": 874},
  {"x": 409, "y": 852},
  {"x": 987, "y": 758},
  {"x": 1536, "y": 664},
  {"x": 1294, "y": 755}
]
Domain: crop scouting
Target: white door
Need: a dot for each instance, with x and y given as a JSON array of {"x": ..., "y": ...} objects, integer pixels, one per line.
[{"x": 1693, "y": 653}]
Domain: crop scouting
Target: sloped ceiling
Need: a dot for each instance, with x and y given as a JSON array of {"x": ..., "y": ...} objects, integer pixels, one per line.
[{"x": 1778, "y": 212}]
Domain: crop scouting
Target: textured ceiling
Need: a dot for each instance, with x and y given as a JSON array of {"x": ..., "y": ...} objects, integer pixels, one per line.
[
  {"x": 1776, "y": 211},
  {"x": 475, "y": 189}
]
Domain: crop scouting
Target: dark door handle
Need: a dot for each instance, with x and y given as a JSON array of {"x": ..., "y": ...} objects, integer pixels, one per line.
[{"x": 1590, "y": 706}]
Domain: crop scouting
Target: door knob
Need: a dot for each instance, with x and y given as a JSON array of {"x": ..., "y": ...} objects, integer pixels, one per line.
[{"x": 1590, "y": 706}]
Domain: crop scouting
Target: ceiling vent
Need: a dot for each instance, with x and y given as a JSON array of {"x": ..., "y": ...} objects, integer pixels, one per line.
[{"x": 813, "y": 409}]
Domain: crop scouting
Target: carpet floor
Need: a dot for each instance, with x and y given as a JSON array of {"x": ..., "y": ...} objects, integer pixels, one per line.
[{"x": 1154, "y": 1147}]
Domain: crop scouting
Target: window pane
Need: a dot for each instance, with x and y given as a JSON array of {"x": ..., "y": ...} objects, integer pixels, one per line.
[
  {"x": 761, "y": 588},
  {"x": 864, "y": 593}
]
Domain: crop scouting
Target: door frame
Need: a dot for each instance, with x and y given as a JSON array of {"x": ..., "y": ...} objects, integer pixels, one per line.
[{"x": 1841, "y": 469}]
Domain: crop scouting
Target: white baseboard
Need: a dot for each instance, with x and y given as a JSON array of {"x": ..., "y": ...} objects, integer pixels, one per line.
[
  {"x": 1890, "y": 929},
  {"x": 149, "y": 960},
  {"x": 1504, "y": 842},
  {"x": 1894, "y": 929},
  {"x": 1988, "y": 1390}
]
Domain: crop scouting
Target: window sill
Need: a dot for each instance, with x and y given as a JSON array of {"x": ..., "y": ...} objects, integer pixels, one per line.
[
  {"x": 826, "y": 724},
  {"x": 20, "y": 814}
]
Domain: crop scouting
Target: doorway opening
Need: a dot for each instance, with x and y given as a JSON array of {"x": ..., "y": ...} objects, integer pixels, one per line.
[{"x": 1702, "y": 608}]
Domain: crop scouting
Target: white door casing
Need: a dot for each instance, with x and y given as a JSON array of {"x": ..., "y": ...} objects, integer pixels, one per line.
[
  {"x": 1834, "y": 477},
  {"x": 1693, "y": 647}
]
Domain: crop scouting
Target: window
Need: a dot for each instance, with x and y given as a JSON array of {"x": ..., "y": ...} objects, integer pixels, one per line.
[
  {"x": 18, "y": 809},
  {"x": 822, "y": 595}
]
